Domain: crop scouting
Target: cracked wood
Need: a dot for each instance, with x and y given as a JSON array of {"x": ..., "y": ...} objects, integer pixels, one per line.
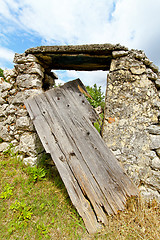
[{"x": 94, "y": 179}]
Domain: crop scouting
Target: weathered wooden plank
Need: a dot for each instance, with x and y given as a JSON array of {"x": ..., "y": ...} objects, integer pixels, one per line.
[
  {"x": 95, "y": 181},
  {"x": 80, "y": 202}
]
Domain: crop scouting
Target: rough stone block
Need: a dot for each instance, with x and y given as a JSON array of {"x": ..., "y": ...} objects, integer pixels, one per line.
[
  {"x": 155, "y": 141},
  {"x": 32, "y": 161},
  {"x": 30, "y": 68},
  {"x": 138, "y": 69},
  {"x": 24, "y": 123},
  {"x": 21, "y": 96},
  {"x": 30, "y": 144},
  {"x": 10, "y": 73},
  {"x": 157, "y": 82},
  {"x": 156, "y": 163},
  {"x": 154, "y": 129},
  {"x": 117, "y": 54},
  {"x": 3, "y": 109},
  {"x": 3, "y": 146},
  {"x": 4, "y": 85},
  {"x": 2, "y": 101},
  {"x": 149, "y": 194},
  {"x": 154, "y": 68},
  {"x": 22, "y": 58},
  {"x": 151, "y": 75},
  {"x": 4, "y": 132},
  {"x": 29, "y": 81}
]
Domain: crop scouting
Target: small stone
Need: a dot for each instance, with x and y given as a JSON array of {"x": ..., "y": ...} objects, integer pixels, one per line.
[
  {"x": 21, "y": 96},
  {"x": 4, "y": 94},
  {"x": 3, "y": 146},
  {"x": 10, "y": 73},
  {"x": 140, "y": 55},
  {"x": 29, "y": 81},
  {"x": 30, "y": 68},
  {"x": 4, "y": 132},
  {"x": 151, "y": 75},
  {"x": 156, "y": 163},
  {"x": 117, "y": 152},
  {"x": 13, "y": 91},
  {"x": 155, "y": 141},
  {"x": 2, "y": 101},
  {"x": 157, "y": 82},
  {"x": 138, "y": 69},
  {"x": 118, "y": 64},
  {"x": 22, "y": 58},
  {"x": 154, "y": 129},
  {"x": 2, "y": 109},
  {"x": 10, "y": 109},
  {"x": 30, "y": 144},
  {"x": 151, "y": 154},
  {"x": 10, "y": 120},
  {"x": 154, "y": 68},
  {"x": 30, "y": 161},
  {"x": 117, "y": 54},
  {"x": 23, "y": 123},
  {"x": 147, "y": 62},
  {"x": 149, "y": 194},
  {"x": 99, "y": 110},
  {"x": 14, "y": 142},
  {"x": 156, "y": 104},
  {"x": 153, "y": 181},
  {"x": 4, "y": 85}
]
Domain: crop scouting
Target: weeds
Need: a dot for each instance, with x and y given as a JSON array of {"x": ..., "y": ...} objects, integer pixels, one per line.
[
  {"x": 34, "y": 204},
  {"x": 8, "y": 192},
  {"x": 35, "y": 174}
]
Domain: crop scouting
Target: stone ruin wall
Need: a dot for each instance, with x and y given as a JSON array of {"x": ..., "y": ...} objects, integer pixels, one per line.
[
  {"x": 132, "y": 115},
  {"x": 132, "y": 118},
  {"x": 25, "y": 80}
]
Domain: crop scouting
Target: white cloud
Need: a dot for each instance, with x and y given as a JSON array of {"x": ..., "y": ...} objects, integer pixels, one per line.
[
  {"x": 133, "y": 23},
  {"x": 6, "y": 54},
  {"x": 136, "y": 24}
]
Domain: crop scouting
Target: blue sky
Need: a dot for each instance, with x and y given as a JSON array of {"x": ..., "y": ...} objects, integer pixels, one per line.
[{"x": 31, "y": 23}]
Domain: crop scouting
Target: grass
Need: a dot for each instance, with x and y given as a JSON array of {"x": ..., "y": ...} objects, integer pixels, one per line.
[{"x": 34, "y": 204}]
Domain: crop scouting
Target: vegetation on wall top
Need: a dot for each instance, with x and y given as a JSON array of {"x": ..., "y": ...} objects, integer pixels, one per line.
[{"x": 1, "y": 72}]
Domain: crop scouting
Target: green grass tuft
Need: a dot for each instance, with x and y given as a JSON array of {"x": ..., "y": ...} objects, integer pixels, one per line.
[{"x": 34, "y": 204}]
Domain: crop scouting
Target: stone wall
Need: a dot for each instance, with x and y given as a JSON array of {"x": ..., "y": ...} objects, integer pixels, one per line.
[
  {"x": 132, "y": 118},
  {"x": 26, "y": 79}
]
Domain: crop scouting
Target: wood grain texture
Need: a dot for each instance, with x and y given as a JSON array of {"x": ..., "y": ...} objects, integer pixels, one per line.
[{"x": 94, "y": 179}]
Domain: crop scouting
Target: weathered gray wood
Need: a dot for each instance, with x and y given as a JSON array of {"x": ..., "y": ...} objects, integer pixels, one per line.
[{"x": 95, "y": 181}]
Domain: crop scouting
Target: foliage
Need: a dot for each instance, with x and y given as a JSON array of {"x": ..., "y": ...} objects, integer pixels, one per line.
[
  {"x": 1, "y": 72},
  {"x": 43, "y": 210},
  {"x": 34, "y": 205},
  {"x": 23, "y": 212},
  {"x": 35, "y": 174},
  {"x": 97, "y": 96},
  {"x": 8, "y": 191},
  {"x": 99, "y": 122}
]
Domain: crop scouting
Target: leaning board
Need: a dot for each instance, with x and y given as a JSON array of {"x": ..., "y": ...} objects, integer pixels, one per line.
[{"x": 94, "y": 179}]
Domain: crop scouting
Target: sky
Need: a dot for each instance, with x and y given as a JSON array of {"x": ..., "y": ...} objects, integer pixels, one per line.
[{"x": 30, "y": 23}]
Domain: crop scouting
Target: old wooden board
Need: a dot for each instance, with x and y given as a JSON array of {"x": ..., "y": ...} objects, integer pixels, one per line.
[{"x": 95, "y": 181}]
